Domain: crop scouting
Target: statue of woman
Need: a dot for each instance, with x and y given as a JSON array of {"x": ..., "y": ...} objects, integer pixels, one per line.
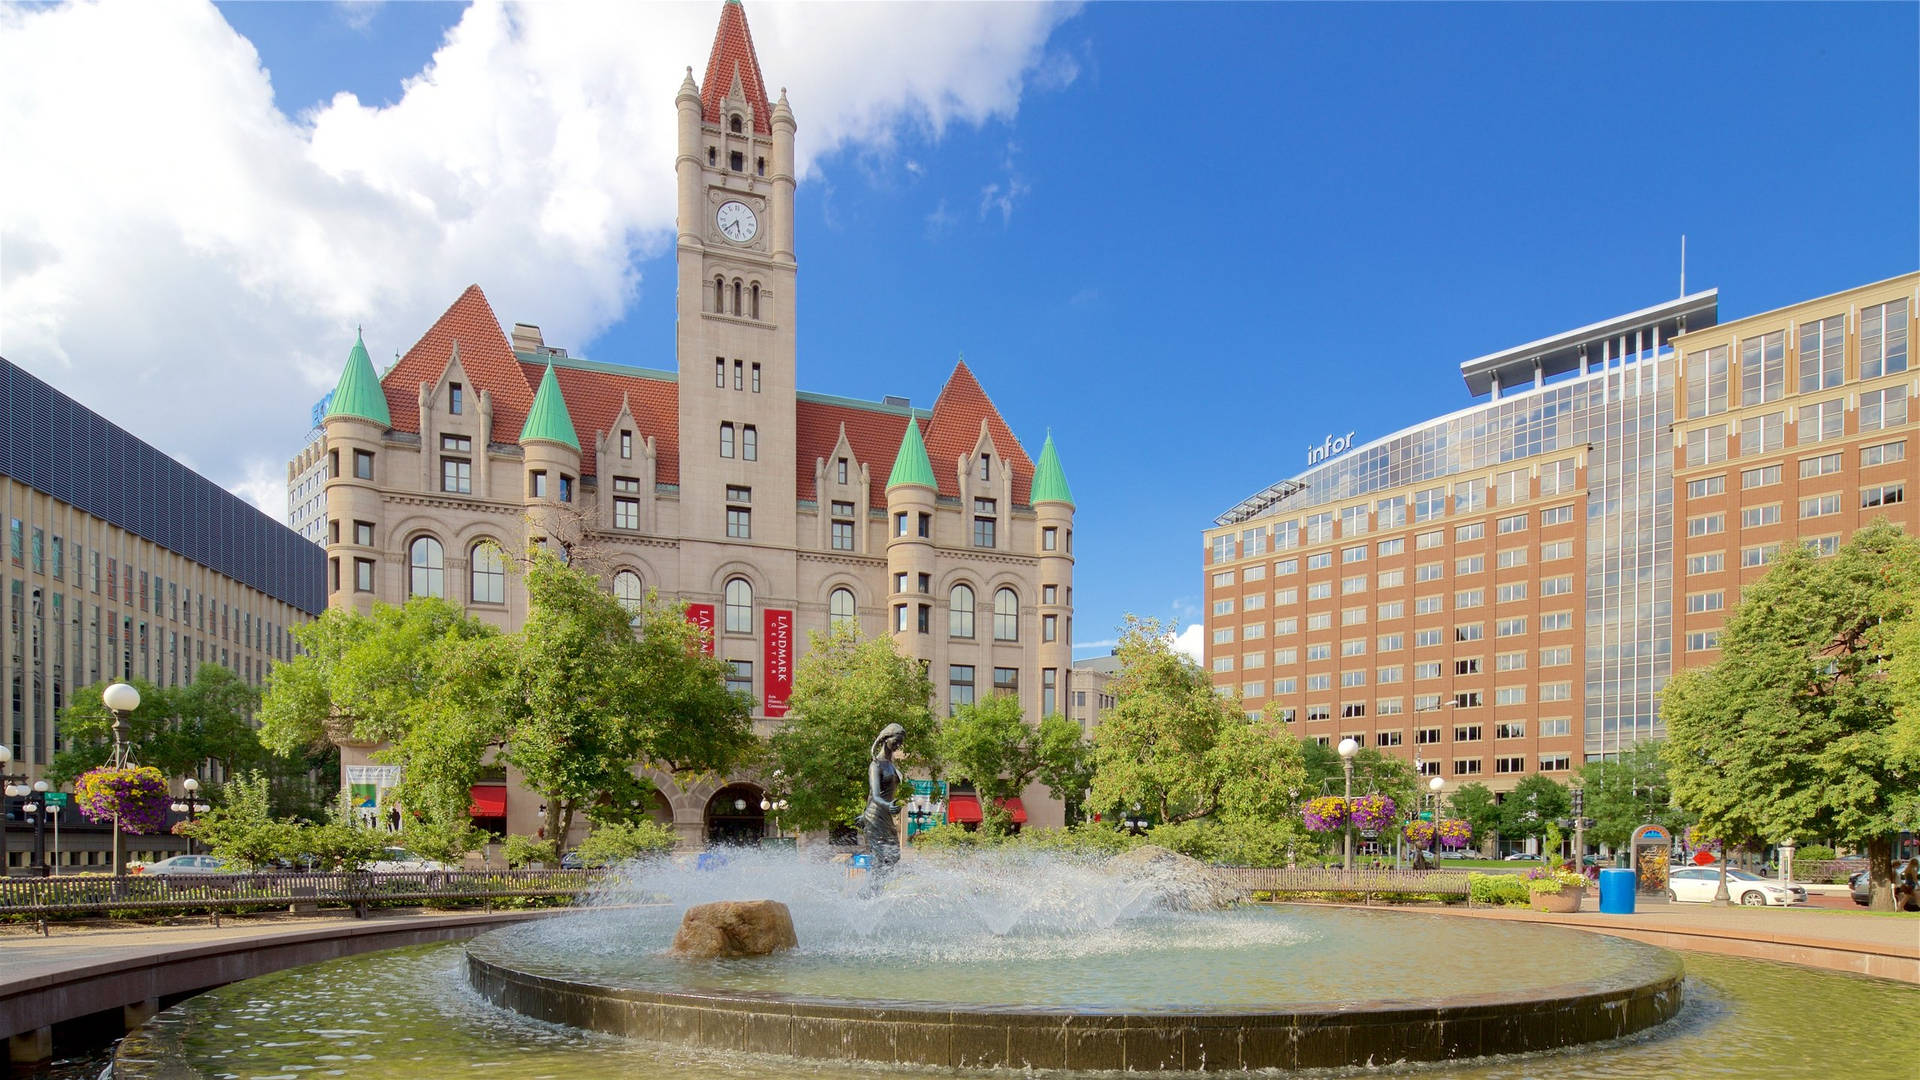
[{"x": 883, "y": 782}]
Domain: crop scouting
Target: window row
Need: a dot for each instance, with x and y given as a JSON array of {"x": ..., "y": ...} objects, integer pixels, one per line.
[
  {"x": 1820, "y": 360},
  {"x": 1287, "y": 535},
  {"x": 1819, "y": 422}
]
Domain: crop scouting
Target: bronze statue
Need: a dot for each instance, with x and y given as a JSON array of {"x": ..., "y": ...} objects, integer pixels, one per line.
[{"x": 883, "y": 782}]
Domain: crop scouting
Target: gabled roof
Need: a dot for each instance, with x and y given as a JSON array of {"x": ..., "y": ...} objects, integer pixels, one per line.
[
  {"x": 594, "y": 391},
  {"x": 548, "y": 418},
  {"x": 954, "y": 430},
  {"x": 733, "y": 55},
  {"x": 873, "y": 431},
  {"x": 358, "y": 392},
  {"x": 1049, "y": 479},
  {"x": 910, "y": 465},
  {"x": 485, "y": 354}
]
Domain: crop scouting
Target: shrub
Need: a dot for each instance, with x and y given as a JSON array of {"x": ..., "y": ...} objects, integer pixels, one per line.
[
  {"x": 1543, "y": 880},
  {"x": 1815, "y": 854},
  {"x": 613, "y": 842},
  {"x": 521, "y": 850},
  {"x": 950, "y": 837},
  {"x": 1090, "y": 838},
  {"x": 1496, "y": 889}
]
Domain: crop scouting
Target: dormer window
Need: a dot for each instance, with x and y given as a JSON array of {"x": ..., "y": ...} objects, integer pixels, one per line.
[
  {"x": 456, "y": 399},
  {"x": 733, "y": 124},
  {"x": 986, "y": 467},
  {"x": 737, "y": 161},
  {"x": 626, "y": 444}
]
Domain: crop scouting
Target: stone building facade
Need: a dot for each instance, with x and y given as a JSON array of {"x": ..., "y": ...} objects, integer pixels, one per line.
[{"x": 772, "y": 512}]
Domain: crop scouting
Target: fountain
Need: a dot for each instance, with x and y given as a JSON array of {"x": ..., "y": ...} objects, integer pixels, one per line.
[{"x": 1026, "y": 959}]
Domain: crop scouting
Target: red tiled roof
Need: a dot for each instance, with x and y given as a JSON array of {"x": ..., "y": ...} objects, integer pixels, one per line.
[
  {"x": 485, "y": 355},
  {"x": 873, "y": 434},
  {"x": 954, "y": 429},
  {"x": 593, "y": 399},
  {"x": 733, "y": 53}
]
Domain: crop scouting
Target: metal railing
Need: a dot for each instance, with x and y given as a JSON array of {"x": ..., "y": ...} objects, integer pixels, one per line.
[
  {"x": 1366, "y": 883},
  {"x": 217, "y": 893}
]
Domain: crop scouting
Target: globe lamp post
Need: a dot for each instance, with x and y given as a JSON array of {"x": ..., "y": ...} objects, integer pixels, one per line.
[
  {"x": 120, "y": 699},
  {"x": 1348, "y": 748}
]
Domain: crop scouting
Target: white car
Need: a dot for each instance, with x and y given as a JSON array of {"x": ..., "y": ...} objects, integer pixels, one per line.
[
  {"x": 1697, "y": 884},
  {"x": 183, "y": 864},
  {"x": 399, "y": 860}
]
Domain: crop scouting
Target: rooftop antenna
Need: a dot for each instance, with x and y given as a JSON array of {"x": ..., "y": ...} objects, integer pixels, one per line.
[{"x": 1683, "y": 264}]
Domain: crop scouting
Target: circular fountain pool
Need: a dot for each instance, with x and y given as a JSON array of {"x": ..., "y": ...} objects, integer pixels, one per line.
[{"x": 1046, "y": 962}]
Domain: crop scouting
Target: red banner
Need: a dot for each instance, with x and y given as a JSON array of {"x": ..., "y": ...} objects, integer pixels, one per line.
[
  {"x": 779, "y": 653},
  {"x": 701, "y": 615}
]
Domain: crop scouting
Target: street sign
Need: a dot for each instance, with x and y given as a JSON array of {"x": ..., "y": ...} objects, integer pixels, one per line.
[
  {"x": 1426, "y": 815},
  {"x": 55, "y": 798}
]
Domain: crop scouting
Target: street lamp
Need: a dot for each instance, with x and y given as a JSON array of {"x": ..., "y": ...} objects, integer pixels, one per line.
[
  {"x": 190, "y": 806},
  {"x": 1348, "y": 748},
  {"x": 1434, "y": 785},
  {"x": 120, "y": 699}
]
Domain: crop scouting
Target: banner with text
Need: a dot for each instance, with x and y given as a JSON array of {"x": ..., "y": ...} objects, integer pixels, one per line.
[
  {"x": 701, "y": 615},
  {"x": 779, "y": 652}
]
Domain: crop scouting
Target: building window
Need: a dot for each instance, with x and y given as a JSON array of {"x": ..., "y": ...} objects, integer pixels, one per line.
[
  {"x": 1049, "y": 538},
  {"x": 719, "y": 362},
  {"x": 1006, "y": 681},
  {"x": 566, "y": 488},
  {"x": 627, "y": 590},
  {"x": 456, "y": 473},
  {"x": 1883, "y": 454},
  {"x": 986, "y": 467},
  {"x": 1707, "y": 382},
  {"x": 739, "y": 516},
  {"x": 1763, "y": 368},
  {"x": 739, "y": 606},
  {"x": 749, "y": 443},
  {"x": 1883, "y": 339},
  {"x": 1883, "y": 408},
  {"x": 456, "y": 399},
  {"x": 726, "y": 440},
  {"x": 960, "y": 612},
  {"x": 754, "y": 300},
  {"x": 1764, "y": 476},
  {"x": 1049, "y": 627},
  {"x": 840, "y": 609},
  {"x": 959, "y": 685},
  {"x": 900, "y": 524},
  {"x": 1882, "y": 495},
  {"x": 626, "y": 508},
  {"x": 756, "y": 378},
  {"x": 983, "y": 523},
  {"x": 740, "y": 678},
  {"x": 841, "y": 527},
  {"x": 426, "y": 568},
  {"x": 1706, "y": 446},
  {"x": 1823, "y": 345},
  {"x": 1763, "y": 434},
  {"x": 362, "y": 465},
  {"x": 1819, "y": 506},
  {"x": 1822, "y": 421},
  {"x": 626, "y": 444},
  {"x": 739, "y": 380},
  {"x": 1006, "y": 615},
  {"x": 489, "y": 573},
  {"x": 926, "y": 527},
  {"x": 363, "y": 575},
  {"x": 537, "y": 483},
  {"x": 840, "y": 470}
]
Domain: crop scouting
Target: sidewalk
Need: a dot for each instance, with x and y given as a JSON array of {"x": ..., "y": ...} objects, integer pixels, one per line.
[{"x": 1886, "y": 946}]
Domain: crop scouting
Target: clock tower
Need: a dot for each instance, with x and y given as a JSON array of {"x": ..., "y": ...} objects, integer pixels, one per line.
[{"x": 735, "y": 334}]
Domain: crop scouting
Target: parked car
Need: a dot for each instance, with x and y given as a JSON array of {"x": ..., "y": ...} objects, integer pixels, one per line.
[
  {"x": 572, "y": 861},
  {"x": 1521, "y": 856},
  {"x": 183, "y": 864},
  {"x": 1697, "y": 884},
  {"x": 1861, "y": 888},
  {"x": 399, "y": 860},
  {"x": 1860, "y": 883}
]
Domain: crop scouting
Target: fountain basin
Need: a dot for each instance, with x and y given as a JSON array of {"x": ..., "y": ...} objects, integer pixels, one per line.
[{"x": 1637, "y": 987}]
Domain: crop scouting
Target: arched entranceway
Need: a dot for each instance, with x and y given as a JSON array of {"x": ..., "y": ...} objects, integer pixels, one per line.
[{"x": 734, "y": 816}]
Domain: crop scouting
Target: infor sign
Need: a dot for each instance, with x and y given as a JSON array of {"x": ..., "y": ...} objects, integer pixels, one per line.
[{"x": 1332, "y": 446}]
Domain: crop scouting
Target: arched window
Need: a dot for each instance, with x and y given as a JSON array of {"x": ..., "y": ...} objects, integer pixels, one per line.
[
  {"x": 756, "y": 299},
  {"x": 489, "y": 573},
  {"x": 733, "y": 124},
  {"x": 739, "y": 607},
  {"x": 712, "y": 158},
  {"x": 1006, "y": 616},
  {"x": 426, "y": 564},
  {"x": 840, "y": 609},
  {"x": 960, "y": 611},
  {"x": 719, "y": 295},
  {"x": 626, "y": 589},
  {"x": 736, "y": 296}
]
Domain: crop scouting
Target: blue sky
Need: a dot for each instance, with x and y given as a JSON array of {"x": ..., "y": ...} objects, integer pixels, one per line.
[{"x": 1201, "y": 236}]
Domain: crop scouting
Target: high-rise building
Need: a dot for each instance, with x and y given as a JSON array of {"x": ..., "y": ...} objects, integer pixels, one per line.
[
  {"x": 771, "y": 511},
  {"x": 1505, "y": 589}
]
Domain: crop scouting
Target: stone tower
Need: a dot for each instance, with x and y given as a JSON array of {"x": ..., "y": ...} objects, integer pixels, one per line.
[
  {"x": 735, "y": 337},
  {"x": 1053, "y": 507},
  {"x": 355, "y": 423}
]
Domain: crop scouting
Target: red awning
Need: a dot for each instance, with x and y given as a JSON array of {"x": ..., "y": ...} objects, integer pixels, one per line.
[
  {"x": 963, "y": 808},
  {"x": 489, "y": 800}
]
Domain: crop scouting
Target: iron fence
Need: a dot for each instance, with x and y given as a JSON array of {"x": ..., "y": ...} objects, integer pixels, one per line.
[{"x": 1367, "y": 883}]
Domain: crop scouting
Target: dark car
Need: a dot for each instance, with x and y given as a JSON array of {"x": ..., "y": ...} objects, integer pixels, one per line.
[{"x": 1858, "y": 885}]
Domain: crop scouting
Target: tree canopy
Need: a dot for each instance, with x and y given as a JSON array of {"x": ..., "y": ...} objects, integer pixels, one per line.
[
  {"x": 1792, "y": 732},
  {"x": 990, "y": 745},
  {"x": 1532, "y": 807},
  {"x": 845, "y": 689},
  {"x": 1625, "y": 793},
  {"x": 174, "y": 729},
  {"x": 1474, "y": 803}
]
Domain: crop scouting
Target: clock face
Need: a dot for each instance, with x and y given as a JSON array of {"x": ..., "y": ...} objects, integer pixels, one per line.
[{"x": 736, "y": 222}]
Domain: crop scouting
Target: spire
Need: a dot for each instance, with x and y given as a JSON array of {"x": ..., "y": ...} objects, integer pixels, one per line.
[
  {"x": 733, "y": 58},
  {"x": 910, "y": 465},
  {"x": 358, "y": 392},
  {"x": 548, "y": 418},
  {"x": 1049, "y": 480}
]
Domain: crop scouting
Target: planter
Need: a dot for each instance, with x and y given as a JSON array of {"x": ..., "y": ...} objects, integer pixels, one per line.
[{"x": 1564, "y": 902}]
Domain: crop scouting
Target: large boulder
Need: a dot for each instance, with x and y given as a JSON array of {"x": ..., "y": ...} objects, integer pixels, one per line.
[
  {"x": 1182, "y": 882},
  {"x": 734, "y": 928}
]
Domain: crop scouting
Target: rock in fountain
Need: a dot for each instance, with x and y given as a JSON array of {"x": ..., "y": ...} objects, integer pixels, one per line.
[{"x": 734, "y": 928}]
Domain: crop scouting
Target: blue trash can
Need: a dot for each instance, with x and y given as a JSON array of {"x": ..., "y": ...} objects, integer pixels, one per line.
[
  {"x": 1616, "y": 892},
  {"x": 862, "y": 861}
]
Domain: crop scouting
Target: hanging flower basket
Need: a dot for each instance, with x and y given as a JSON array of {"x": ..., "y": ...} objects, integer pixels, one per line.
[
  {"x": 137, "y": 793},
  {"x": 1420, "y": 833},
  {"x": 1324, "y": 814},
  {"x": 1373, "y": 812},
  {"x": 1455, "y": 833}
]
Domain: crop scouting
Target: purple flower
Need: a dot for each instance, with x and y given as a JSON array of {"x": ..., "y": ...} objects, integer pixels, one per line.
[{"x": 138, "y": 794}]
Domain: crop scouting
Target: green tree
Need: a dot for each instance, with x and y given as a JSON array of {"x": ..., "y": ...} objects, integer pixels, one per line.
[
  {"x": 990, "y": 745},
  {"x": 613, "y": 842},
  {"x": 242, "y": 830},
  {"x": 1625, "y": 793},
  {"x": 1474, "y": 803},
  {"x": 845, "y": 689},
  {"x": 1531, "y": 808},
  {"x": 1792, "y": 732},
  {"x": 174, "y": 730},
  {"x": 1373, "y": 772},
  {"x": 1178, "y": 750}
]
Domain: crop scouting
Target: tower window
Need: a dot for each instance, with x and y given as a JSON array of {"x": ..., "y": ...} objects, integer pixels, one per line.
[
  {"x": 760, "y": 166},
  {"x": 733, "y": 124},
  {"x": 737, "y": 161},
  {"x": 754, "y": 296},
  {"x": 719, "y": 295},
  {"x": 712, "y": 156},
  {"x": 736, "y": 296}
]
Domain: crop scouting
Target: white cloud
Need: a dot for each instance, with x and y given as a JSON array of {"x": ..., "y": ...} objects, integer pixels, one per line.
[
  {"x": 1190, "y": 642},
  {"x": 186, "y": 260}
]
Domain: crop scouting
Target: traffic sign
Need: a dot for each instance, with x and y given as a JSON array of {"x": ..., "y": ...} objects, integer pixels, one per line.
[{"x": 55, "y": 798}]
